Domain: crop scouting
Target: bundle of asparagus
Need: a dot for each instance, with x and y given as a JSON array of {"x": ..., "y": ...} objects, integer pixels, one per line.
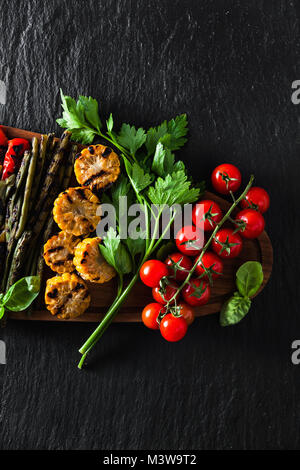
[{"x": 44, "y": 172}]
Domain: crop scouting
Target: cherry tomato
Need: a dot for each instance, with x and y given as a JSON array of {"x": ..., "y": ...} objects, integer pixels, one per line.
[
  {"x": 187, "y": 312},
  {"x": 227, "y": 244},
  {"x": 254, "y": 223},
  {"x": 226, "y": 178},
  {"x": 206, "y": 214},
  {"x": 196, "y": 292},
  {"x": 212, "y": 263},
  {"x": 189, "y": 240},
  {"x": 163, "y": 294},
  {"x": 179, "y": 266},
  {"x": 256, "y": 198},
  {"x": 173, "y": 328},
  {"x": 150, "y": 314},
  {"x": 152, "y": 271}
]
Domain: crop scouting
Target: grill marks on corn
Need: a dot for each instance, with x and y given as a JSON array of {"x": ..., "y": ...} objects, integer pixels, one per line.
[
  {"x": 67, "y": 296},
  {"x": 93, "y": 178},
  {"x": 59, "y": 252},
  {"x": 76, "y": 211},
  {"x": 52, "y": 294},
  {"x": 55, "y": 249},
  {"x": 106, "y": 152},
  {"x": 81, "y": 193}
]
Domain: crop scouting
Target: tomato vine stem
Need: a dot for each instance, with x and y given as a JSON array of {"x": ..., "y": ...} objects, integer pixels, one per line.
[{"x": 207, "y": 244}]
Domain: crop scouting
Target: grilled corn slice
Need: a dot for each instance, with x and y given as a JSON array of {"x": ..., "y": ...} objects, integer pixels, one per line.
[
  {"x": 89, "y": 262},
  {"x": 67, "y": 296},
  {"x": 59, "y": 252},
  {"x": 97, "y": 167},
  {"x": 75, "y": 211}
]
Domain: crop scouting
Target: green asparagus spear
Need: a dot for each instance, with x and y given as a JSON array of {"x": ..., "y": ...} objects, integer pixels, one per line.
[
  {"x": 18, "y": 259},
  {"x": 11, "y": 211},
  {"x": 50, "y": 179},
  {"x": 39, "y": 168}
]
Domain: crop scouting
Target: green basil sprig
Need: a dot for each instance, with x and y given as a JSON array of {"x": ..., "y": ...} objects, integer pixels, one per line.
[
  {"x": 249, "y": 278},
  {"x": 20, "y": 295}
]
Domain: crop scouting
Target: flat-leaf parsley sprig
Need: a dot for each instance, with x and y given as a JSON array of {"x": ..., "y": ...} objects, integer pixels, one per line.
[{"x": 151, "y": 177}]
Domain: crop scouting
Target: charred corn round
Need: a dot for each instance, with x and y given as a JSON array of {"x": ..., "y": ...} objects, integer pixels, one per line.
[
  {"x": 89, "y": 262},
  {"x": 97, "y": 167},
  {"x": 59, "y": 252},
  {"x": 67, "y": 296},
  {"x": 75, "y": 211}
]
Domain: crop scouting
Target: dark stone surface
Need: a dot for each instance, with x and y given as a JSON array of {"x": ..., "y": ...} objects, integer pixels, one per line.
[{"x": 230, "y": 66}]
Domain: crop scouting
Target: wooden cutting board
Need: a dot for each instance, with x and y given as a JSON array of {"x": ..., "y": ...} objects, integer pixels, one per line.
[{"x": 103, "y": 295}]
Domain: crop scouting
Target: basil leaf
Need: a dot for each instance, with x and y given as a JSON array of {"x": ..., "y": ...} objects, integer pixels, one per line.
[
  {"x": 234, "y": 310},
  {"x": 22, "y": 293},
  {"x": 249, "y": 278}
]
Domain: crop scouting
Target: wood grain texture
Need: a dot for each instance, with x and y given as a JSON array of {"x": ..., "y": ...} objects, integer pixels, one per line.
[
  {"x": 102, "y": 296},
  {"x": 229, "y": 65}
]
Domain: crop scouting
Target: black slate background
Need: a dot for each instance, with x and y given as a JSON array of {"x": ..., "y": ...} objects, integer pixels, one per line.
[{"x": 229, "y": 65}]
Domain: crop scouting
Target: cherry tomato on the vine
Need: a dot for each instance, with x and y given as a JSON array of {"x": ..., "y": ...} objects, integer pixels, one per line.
[
  {"x": 212, "y": 263},
  {"x": 227, "y": 244},
  {"x": 150, "y": 314},
  {"x": 173, "y": 328},
  {"x": 163, "y": 294},
  {"x": 226, "y": 178},
  {"x": 253, "y": 221},
  {"x": 206, "y": 214},
  {"x": 196, "y": 292},
  {"x": 152, "y": 271},
  {"x": 13, "y": 156},
  {"x": 189, "y": 240},
  {"x": 179, "y": 266},
  {"x": 187, "y": 312},
  {"x": 256, "y": 198}
]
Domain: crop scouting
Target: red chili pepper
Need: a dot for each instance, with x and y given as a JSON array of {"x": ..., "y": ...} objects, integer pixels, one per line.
[
  {"x": 3, "y": 146},
  {"x": 13, "y": 156}
]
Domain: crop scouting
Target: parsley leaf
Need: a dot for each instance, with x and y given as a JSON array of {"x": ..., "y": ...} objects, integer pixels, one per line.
[
  {"x": 116, "y": 253},
  {"x": 154, "y": 135},
  {"x": 130, "y": 138},
  {"x": 177, "y": 128},
  {"x": 81, "y": 117},
  {"x": 137, "y": 246},
  {"x": 173, "y": 189},
  {"x": 91, "y": 111},
  {"x": 164, "y": 161},
  {"x": 171, "y": 134},
  {"x": 139, "y": 179},
  {"x": 84, "y": 136}
]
